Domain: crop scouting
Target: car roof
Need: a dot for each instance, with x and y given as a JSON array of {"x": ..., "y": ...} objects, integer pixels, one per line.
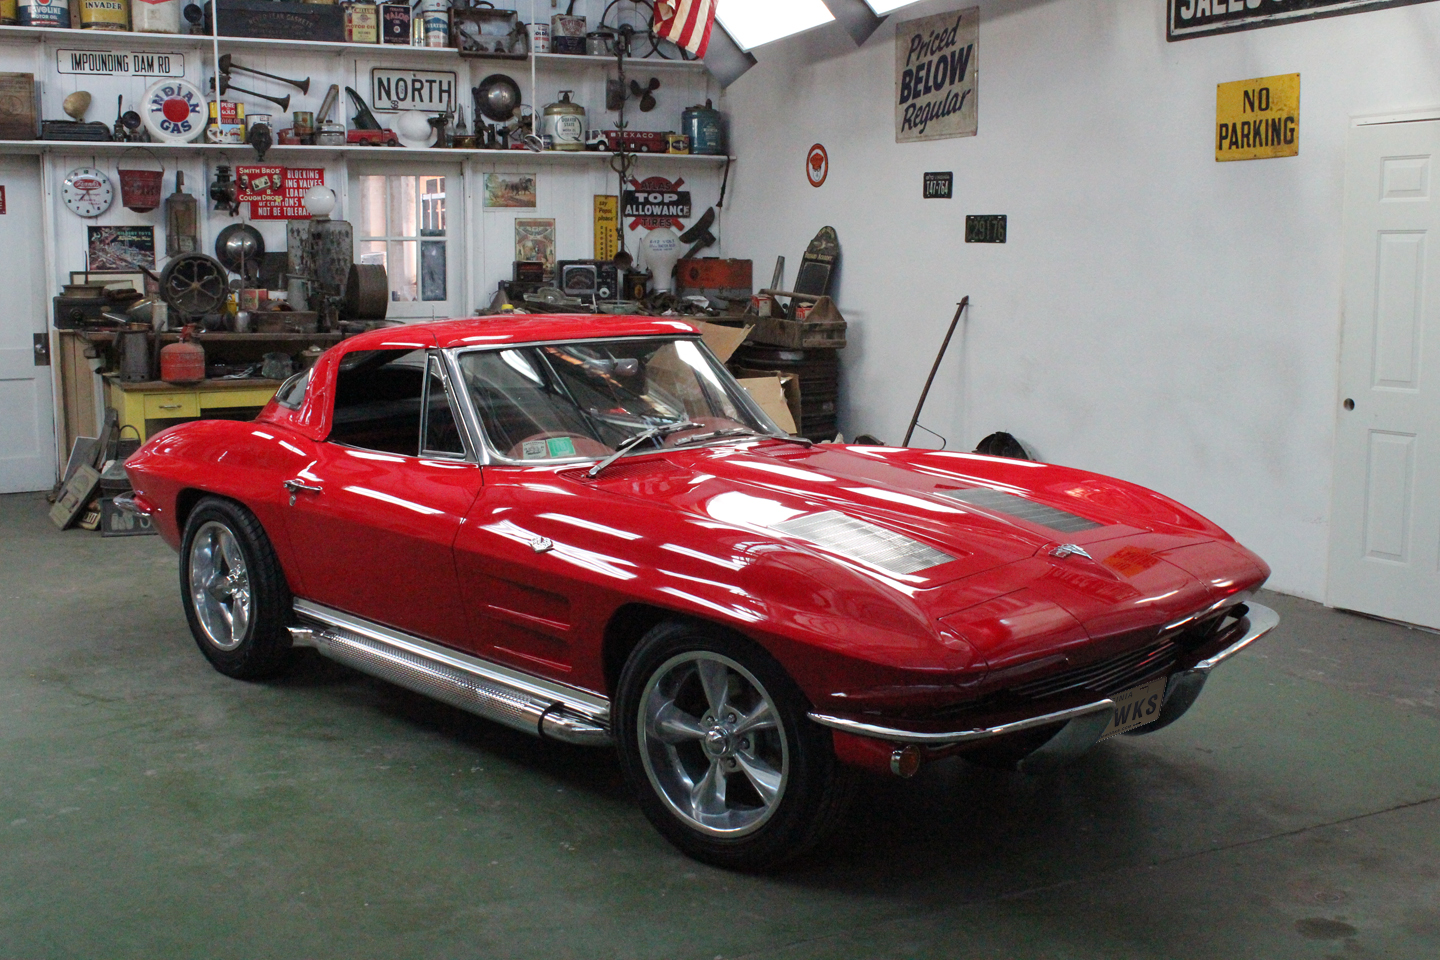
[{"x": 515, "y": 328}]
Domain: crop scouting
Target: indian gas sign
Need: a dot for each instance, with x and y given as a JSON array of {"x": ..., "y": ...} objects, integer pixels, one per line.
[{"x": 1258, "y": 119}]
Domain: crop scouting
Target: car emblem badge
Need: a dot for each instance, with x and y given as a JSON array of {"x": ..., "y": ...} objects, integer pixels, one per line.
[
  {"x": 1066, "y": 549},
  {"x": 541, "y": 544}
]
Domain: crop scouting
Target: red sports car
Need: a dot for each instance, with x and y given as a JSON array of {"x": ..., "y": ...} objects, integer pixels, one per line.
[{"x": 585, "y": 529}]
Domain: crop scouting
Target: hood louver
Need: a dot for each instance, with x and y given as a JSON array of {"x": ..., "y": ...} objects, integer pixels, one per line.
[
  {"x": 998, "y": 501},
  {"x": 872, "y": 545}
]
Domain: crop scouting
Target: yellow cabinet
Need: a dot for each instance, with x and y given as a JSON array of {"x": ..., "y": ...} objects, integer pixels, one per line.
[
  {"x": 153, "y": 405},
  {"x": 162, "y": 406}
]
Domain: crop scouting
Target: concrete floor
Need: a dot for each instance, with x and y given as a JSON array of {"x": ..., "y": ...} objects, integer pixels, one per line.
[{"x": 149, "y": 807}]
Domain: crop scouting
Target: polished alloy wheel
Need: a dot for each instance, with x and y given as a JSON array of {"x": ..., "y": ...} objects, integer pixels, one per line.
[
  {"x": 220, "y": 585},
  {"x": 712, "y": 743}
]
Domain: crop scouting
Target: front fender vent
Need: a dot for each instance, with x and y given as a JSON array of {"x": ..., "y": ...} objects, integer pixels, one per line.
[{"x": 868, "y": 543}]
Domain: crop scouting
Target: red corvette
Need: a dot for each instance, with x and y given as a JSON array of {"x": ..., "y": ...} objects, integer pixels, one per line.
[{"x": 585, "y": 529}]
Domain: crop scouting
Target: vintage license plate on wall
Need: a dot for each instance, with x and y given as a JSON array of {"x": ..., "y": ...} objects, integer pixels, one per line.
[
  {"x": 1136, "y": 707},
  {"x": 429, "y": 91}
]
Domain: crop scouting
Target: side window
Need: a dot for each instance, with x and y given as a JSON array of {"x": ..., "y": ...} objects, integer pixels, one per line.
[
  {"x": 292, "y": 391},
  {"x": 378, "y": 397},
  {"x": 442, "y": 434}
]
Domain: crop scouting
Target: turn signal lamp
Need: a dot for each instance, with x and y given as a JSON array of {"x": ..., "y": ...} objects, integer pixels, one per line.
[{"x": 905, "y": 762}]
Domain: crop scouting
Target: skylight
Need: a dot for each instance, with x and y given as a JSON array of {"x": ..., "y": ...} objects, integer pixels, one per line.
[{"x": 754, "y": 22}]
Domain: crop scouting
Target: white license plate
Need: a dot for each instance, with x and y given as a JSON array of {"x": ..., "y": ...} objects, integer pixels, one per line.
[{"x": 1136, "y": 707}]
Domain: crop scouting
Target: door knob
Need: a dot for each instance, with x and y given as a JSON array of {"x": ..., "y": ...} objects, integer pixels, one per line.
[{"x": 1348, "y": 404}]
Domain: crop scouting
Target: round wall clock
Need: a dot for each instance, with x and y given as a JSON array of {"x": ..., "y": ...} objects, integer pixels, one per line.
[
  {"x": 87, "y": 192},
  {"x": 174, "y": 111}
]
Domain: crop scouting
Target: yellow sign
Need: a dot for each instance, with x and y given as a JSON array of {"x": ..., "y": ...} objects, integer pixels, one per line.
[
  {"x": 607, "y": 226},
  {"x": 1257, "y": 119}
]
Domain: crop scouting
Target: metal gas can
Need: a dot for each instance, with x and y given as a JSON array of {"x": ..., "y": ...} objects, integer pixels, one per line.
[
  {"x": 43, "y": 13},
  {"x": 564, "y": 123},
  {"x": 182, "y": 362},
  {"x": 9, "y": 12},
  {"x": 105, "y": 14},
  {"x": 702, "y": 125},
  {"x": 434, "y": 19}
]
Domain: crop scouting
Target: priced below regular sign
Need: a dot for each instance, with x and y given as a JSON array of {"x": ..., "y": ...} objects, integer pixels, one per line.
[
  {"x": 1258, "y": 119},
  {"x": 935, "y": 76}
]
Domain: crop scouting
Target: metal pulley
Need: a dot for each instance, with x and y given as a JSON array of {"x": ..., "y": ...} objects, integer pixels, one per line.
[{"x": 367, "y": 292}]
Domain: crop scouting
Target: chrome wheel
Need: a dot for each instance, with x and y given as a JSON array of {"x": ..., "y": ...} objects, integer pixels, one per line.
[
  {"x": 712, "y": 743},
  {"x": 219, "y": 585}
]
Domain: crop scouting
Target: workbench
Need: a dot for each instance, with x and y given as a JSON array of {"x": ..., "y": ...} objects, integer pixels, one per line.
[{"x": 152, "y": 405}]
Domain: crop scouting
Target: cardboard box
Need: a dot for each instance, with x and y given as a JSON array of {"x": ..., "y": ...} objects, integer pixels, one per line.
[
  {"x": 19, "y": 107},
  {"x": 722, "y": 340},
  {"x": 790, "y": 388},
  {"x": 769, "y": 391}
]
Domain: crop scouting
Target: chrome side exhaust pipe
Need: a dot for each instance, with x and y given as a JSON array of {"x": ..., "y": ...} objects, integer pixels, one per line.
[{"x": 454, "y": 678}]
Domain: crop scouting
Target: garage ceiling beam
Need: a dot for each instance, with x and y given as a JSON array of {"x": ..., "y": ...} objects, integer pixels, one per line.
[{"x": 856, "y": 17}]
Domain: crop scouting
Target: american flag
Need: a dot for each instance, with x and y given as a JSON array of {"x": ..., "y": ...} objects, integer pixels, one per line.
[{"x": 686, "y": 23}]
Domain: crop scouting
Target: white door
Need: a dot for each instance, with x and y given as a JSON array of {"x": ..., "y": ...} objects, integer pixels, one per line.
[
  {"x": 27, "y": 418},
  {"x": 1385, "y": 518},
  {"x": 409, "y": 219}
]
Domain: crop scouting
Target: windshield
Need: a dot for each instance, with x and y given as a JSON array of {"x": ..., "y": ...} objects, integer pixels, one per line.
[{"x": 586, "y": 399}]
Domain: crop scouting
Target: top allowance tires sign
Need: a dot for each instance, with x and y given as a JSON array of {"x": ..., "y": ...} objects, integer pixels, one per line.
[{"x": 1200, "y": 18}]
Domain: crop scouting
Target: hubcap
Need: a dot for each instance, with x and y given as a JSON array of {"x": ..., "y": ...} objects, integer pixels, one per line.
[
  {"x": 219, "y": 585},
  {"x": 713, "y": 744}
]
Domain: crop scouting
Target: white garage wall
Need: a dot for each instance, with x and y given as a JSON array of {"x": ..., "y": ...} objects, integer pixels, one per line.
[{"x": 1155, "y": 315}]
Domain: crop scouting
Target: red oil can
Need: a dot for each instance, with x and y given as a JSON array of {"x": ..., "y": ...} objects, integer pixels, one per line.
[{"x": 183, "y": 362}]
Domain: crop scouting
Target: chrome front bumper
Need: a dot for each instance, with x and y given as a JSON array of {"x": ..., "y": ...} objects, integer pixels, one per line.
[{"x": 1083, "y": 725}]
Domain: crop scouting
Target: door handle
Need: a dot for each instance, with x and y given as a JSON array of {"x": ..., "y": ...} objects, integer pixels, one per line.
[{"x": 296, "y": 486}]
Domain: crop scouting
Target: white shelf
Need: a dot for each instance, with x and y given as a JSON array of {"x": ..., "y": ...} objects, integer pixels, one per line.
[
  {"x": 282, "y": 153},
  {"x": 647, "y": 63},
  {"x": 110, "y": 38}
]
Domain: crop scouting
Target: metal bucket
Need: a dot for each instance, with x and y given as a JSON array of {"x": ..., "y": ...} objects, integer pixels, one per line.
[{"x": 140, "y": 189}]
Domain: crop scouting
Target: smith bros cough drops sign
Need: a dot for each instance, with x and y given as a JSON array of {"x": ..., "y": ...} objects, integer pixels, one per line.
[{"x": 935, "y": 68}]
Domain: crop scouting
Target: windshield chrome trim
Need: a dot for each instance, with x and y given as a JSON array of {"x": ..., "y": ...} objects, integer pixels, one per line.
[{"x": 489, "y": 456}]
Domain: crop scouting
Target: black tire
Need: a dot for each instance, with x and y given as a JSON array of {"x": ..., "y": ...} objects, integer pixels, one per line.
[
  {"x": 750, "y": 832},
  {"x": 210, "y": 586}
]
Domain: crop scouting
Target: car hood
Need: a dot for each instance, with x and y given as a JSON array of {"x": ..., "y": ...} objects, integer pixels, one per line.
[
  {"x": 912, "y": 517},
  {"x": 1020, "y": 565}
]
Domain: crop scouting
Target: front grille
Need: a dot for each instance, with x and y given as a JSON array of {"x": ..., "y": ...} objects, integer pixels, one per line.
[{"x": 1110, "y": 675}]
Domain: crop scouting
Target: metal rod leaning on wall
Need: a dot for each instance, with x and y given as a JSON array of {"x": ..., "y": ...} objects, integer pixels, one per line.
[{"x": 915, "y": 418}]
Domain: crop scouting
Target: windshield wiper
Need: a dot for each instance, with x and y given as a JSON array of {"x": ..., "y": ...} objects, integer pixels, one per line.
[
  {"x": 630, "y": 443},
  {"x": 739, "y": 432},
  {"x": 714, "y": 434}
]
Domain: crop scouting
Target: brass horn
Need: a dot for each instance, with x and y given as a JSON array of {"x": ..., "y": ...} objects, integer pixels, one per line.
[
  {"x": 228, "y": 65},
  {"x": 282, "y": 102}
]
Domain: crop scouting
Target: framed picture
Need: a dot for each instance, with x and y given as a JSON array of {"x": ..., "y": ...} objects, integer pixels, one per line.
[
  {"x": 111, "y": 278},
  {"x": 121, "y": 248},
  {"x": 535, "y": 240},
  {"x": 509, "y": 190}
]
